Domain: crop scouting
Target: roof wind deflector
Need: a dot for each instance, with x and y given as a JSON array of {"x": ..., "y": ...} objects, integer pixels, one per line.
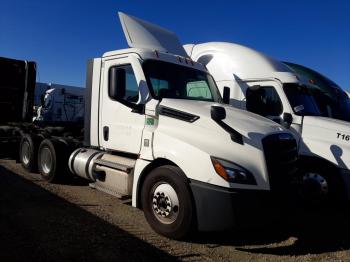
[{"x": 142, "y": 34}]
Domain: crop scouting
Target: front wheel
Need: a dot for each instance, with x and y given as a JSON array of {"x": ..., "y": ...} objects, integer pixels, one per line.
[
  {"x": 167, "y": 202},
  {"x": 321, "y": 185}
]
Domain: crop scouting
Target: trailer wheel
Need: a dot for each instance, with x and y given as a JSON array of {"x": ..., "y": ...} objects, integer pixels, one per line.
[
  {"x": 167, "y": 202},
  {"x": 28, "y": 149},
  {"x": 53, "y": 161}
]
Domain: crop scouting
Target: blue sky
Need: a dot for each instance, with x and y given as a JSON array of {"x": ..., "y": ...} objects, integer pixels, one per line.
[{"x": 61, "y": 35}]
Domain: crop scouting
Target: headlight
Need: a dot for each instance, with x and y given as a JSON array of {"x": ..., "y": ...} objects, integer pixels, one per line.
[{"x": 232, "y": 173}]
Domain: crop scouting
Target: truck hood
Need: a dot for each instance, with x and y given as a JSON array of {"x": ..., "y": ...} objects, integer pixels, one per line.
[
  {"x": 185, "y": 128},
  {"x": 246, "y": 123},
  {"x": 330, "y": 138}
]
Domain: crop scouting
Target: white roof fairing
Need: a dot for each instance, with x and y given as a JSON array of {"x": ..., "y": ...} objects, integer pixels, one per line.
[
  {"x": 230, "y": 59},
  {"x": 142, "y": 34}
]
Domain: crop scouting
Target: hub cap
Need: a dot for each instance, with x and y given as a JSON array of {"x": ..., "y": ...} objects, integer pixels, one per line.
[
  {"x": 315, "y": 184},
  {"x": 25, "y": 153},
  {"x": 46, "y": 160},
  {"x": 165, "y": 203}
]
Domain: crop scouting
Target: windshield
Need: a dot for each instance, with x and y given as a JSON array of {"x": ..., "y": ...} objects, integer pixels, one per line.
[
  {"x": 334, "y": 104},
  {"x": 167, "y": 80},
  {"x": 301, "y": 100},
  {"x": 331, "y": 100}
]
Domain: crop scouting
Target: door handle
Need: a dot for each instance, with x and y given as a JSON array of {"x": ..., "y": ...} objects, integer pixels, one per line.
[{"x": 105, "y": 133}]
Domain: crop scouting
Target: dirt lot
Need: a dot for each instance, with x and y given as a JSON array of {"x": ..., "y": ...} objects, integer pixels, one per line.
[{"x": 45, "y": 222}]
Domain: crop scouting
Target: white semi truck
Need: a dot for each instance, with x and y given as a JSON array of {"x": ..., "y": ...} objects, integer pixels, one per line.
[
  {"x": 156, "y": 130},
  {"x": 58, "y": 103},
  {"x": 267, "y": 87}
]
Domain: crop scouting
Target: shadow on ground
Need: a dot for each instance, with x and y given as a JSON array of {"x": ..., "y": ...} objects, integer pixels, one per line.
[
  {"x": 291, "y": 230},
  {"x": 36, "y": 225}
]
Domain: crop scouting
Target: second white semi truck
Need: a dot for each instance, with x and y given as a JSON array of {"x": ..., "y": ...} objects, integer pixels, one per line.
[
  {"x": 156, "y": 130},
  {"x": 57, "y": 103},
  {"x": 266, "y": 86}
]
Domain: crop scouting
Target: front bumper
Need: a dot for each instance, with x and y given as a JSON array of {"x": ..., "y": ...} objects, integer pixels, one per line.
[{"x": 219, "y": 208}]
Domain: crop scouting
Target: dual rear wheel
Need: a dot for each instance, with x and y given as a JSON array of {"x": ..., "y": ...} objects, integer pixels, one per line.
[
  {"x": 28, "y": 152},
  {"x": 40, "y": 154}
]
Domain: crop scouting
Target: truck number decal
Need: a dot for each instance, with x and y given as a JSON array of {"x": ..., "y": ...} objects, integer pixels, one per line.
[{"x": 343, "y": 136}]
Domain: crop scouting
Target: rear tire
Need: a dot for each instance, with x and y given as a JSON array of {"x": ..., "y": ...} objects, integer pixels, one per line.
[
  {"x": 167, "y": 202},
  {"x": 53, "y": 161},
  {"x": 28, "y": 150}
]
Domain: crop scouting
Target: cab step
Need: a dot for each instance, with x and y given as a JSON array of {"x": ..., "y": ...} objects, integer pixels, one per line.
[{"x": 109, "y": 191}]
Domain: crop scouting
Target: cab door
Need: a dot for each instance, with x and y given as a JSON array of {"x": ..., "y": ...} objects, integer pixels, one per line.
[{"x": 122, "y": 97}]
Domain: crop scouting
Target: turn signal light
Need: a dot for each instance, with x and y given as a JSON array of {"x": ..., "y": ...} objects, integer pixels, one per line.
[{"x": 220, "y": 169}]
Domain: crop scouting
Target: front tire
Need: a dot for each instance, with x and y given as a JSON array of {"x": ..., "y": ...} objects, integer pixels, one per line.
[
  {"x": 167, "y": 202},
  {"x": 321, "y": 185}
]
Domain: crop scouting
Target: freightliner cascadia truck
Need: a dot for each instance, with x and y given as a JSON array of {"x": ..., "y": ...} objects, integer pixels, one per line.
[
  {"x": 156, "y": 130},
  {"x": 265, "y": 86}
]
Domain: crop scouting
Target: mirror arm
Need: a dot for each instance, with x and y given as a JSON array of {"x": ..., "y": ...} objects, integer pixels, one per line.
[{"x": 226, "y": 95}]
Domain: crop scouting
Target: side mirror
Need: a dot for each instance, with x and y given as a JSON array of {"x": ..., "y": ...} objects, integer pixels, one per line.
[
  {"x": 218, "y": 113},
  {"x": 226, "y": 95},
  {"x": 287, "y": 119},
  {"x": 117, "y": 82}
]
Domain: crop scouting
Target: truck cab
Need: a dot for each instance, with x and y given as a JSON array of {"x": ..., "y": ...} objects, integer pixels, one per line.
[
  {"x": 157, "y": 130},
  {"x": 265, "y": 86}
]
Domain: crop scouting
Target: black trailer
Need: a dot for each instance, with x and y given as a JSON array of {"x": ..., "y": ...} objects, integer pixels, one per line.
[{"x": 20, "y": 137}]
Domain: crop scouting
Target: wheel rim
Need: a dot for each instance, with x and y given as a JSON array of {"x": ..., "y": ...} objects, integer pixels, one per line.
[
  {"x": 165, "y": 203},
  {"x": 315, "y": 184},
  {"x": 46, "y": 160},
  {"x": 25, "y": 153}
]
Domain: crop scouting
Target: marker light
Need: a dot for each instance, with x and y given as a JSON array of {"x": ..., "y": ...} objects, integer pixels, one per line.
[{"x": 220, "y": 169}]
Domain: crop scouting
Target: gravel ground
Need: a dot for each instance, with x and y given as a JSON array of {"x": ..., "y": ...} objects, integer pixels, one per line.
[{"x": 46, "y": 222}]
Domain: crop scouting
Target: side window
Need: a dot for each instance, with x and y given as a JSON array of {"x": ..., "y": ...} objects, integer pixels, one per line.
[
  {"x": 198, "y": 89},
  {"x": 122, "y": 84},
  {"x": 264, "y": 101}
]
